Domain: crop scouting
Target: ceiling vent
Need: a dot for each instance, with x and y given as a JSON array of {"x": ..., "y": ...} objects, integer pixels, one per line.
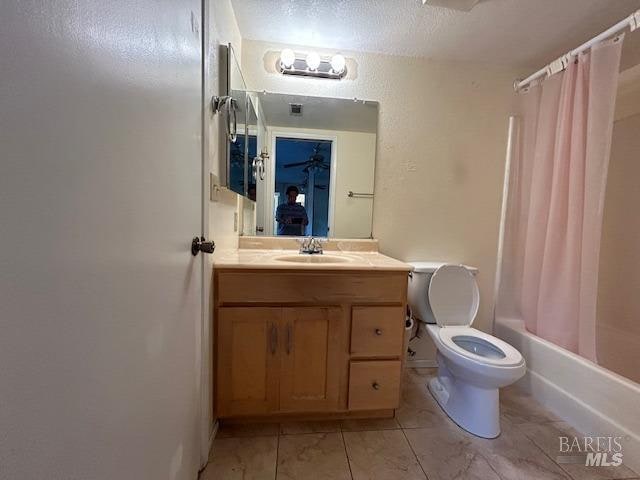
[
  {"x": 295, "y": 109},
  {"x": 460, "y": 5}
]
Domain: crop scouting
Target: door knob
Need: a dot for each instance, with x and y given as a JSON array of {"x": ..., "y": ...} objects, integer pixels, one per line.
[{"x": 201, "y": 245}]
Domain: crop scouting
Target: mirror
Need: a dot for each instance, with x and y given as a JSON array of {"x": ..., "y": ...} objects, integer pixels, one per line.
[
  {"x": 236, "y": 127},
  {"x": 319, "y": 156},
  {"x": 251, "y": 148},
  {"x": 236, "y": 151},
  {"x": 247, "y": 204}
]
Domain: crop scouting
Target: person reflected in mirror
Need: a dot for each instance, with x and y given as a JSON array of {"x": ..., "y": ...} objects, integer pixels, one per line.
[{"x": 291, "y": 216}]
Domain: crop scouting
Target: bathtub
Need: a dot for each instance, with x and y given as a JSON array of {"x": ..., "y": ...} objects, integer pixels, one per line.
[{"x": 590, "y": 398}]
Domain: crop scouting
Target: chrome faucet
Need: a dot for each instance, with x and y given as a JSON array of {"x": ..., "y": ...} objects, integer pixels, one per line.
[{"x": 310, "y": 246}]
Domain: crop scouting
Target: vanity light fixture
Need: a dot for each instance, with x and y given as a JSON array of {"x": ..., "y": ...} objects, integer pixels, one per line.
[
  {"x": 338, "y": 63},
  {"x": 287, "y": 57},
  {"x": 313, "y": 61},
  {"x": 312, "y": 65}
]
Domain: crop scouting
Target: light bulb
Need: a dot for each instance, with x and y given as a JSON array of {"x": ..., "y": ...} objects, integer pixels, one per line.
[
  {"x": 338, "y": 63},
  {"x": 313, "y": 61},
  {"x": 287, "y": 57}
]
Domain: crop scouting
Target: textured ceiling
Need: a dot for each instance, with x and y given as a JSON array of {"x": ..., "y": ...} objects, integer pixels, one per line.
[{"x": 510, "y": 32}]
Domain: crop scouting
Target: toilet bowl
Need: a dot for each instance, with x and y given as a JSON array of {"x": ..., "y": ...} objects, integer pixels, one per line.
[{"x": 472, "y": 365}]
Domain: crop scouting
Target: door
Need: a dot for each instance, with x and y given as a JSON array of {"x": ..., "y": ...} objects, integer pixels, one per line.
[
  {"x": 310, "y": 359},
  {"x": 100, "y": 195},
  {"x": 308, "y": 162},
  {"x": 247, "y": 366}
]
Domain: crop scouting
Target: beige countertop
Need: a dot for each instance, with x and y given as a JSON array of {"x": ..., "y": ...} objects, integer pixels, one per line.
[{"x": 285, "y": 259}]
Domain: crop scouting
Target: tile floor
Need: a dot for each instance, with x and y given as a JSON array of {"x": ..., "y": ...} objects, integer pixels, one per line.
[{"x": 420, "y": 443}]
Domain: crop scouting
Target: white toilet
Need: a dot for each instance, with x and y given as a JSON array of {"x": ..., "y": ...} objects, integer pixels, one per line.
[{"x": 472, "y": 365}]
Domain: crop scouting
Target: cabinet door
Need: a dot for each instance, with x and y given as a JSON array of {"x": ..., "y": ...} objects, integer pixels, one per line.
[
  {"x": 311, "y": 358},
  {"x": 247, "y": 360}
]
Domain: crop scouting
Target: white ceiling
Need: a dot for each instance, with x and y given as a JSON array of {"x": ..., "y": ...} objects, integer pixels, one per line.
[
  {"x": 320, "y": 113},
  {"x": 511, "y": 32}
]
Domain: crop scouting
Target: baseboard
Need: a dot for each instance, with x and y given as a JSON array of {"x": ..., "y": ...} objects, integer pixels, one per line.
[
  {"x": 580, "y": 415},
  {"x": 310, "y": 416},
  {"x": 212, "y": 435},
  {"x": 214, "y": 432},
  {"x": 422, "y": 364}
]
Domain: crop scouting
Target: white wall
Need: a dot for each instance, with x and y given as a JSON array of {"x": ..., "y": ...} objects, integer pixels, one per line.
[
  {"x": 440, "y": 153},
  {"x": 222, "y": 219},
  {"x": 355, "y": 171},
  {"x": 618, "y": 328},
  {"x": 248, "y": 215},
  {"x": 224, "y": 30},
  {"x": 628, "y": 96}
]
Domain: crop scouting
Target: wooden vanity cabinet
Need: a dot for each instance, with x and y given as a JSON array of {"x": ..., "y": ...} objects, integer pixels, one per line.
[
  {"x": 248, "y": 360},
  {"x": 319, "y": 343},
  {"x": 310, "y": 359}
]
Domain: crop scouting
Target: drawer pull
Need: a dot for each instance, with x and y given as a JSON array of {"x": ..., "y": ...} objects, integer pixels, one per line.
[
  {"x": 375, "y": 385},
  {"x": 378, "y": 332}
]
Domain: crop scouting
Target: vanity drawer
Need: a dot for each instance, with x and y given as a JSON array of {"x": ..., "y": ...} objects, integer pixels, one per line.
[
  {"x": 374, "y": 384},
  {"x": 377, "y": 331}
]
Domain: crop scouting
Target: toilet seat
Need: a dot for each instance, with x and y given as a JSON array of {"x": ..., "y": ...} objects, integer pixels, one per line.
[
  {"x": 451, "y": 340},
  {"x": 454, "y": 296}
]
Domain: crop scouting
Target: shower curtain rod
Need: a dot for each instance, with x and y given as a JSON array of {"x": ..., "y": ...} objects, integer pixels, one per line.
[{"x": 632, "y": 22}]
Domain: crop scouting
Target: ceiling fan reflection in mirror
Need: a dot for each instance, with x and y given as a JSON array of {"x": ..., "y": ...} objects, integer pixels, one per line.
[{"x": 316, "y": 161}]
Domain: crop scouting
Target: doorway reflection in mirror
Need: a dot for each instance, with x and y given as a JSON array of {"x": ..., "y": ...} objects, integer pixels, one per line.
[{"x": 302, "y": 186}]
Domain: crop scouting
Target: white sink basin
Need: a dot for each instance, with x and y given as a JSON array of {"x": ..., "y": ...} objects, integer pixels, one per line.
[{"x": 316, "y": 258}]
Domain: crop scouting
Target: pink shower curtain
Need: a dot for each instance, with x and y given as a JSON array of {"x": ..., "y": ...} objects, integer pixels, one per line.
[{"x": 555, "y": 203}]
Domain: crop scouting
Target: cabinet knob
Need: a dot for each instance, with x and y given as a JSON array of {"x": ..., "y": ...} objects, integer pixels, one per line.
[
  {"x": 375, "y": 385},
  {"x": 378, "y": 332}
]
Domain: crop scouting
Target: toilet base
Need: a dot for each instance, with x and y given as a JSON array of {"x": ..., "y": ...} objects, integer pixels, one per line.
[{"x": 474, "y": 409}]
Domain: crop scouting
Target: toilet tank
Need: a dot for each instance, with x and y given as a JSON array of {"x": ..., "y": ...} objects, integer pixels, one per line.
[{"x": 418, "y": 289}]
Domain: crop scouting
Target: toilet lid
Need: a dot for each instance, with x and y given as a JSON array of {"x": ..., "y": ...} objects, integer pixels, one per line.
[{"x": 453, "y": 296}]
